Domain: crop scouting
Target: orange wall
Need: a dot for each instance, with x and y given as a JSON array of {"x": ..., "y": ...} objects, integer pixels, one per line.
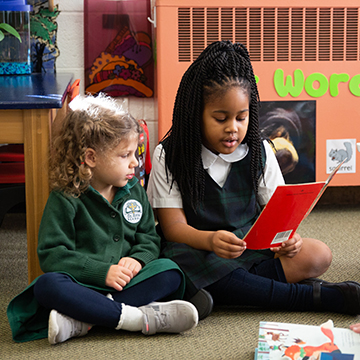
[{"x": 338, "y": 114}]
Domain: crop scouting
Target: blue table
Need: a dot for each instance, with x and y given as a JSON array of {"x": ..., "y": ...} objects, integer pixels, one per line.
[{"x": 28, "y": 107}]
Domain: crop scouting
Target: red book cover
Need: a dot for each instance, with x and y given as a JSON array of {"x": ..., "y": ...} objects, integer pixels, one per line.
[{"x": 282, "y": 215}]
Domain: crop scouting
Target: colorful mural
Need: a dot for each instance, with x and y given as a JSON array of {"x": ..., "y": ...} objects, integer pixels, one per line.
[
  {"x": 118, "y": 70},
  {"x": 118, "y": 52}
]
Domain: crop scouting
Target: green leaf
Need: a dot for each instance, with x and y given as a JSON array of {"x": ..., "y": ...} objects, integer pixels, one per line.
[
  {"x": 10, "y": 30},
  {"x": 1, "y": 35}
]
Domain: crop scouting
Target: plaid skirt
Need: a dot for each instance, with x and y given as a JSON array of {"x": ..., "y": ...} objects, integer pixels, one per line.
[{"x": 203, "y": 268}]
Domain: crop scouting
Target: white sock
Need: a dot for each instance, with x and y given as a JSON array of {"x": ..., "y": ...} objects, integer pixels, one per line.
[{"x": 131, "y": 318}]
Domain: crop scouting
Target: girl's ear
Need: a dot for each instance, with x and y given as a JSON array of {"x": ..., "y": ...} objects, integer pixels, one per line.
[{"x": 90, "y": 157}]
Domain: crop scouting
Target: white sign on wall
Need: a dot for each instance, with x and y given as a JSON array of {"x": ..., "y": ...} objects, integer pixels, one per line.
[{"x": 339, "y": 150}]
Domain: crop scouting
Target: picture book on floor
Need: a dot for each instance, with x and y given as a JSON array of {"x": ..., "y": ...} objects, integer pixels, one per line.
[
  {"x": 287, "y": 208},
  {"x": 284, "y": 341}
]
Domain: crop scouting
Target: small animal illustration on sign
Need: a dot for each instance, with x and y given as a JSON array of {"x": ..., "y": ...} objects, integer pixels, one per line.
[{"x": 341, "y": 154}]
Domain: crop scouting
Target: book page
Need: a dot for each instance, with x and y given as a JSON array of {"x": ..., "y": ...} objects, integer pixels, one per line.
[{"x": 296, "y": 341}]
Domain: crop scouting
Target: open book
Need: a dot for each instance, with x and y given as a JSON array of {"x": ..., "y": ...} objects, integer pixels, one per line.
[
  {"x": 282, "y": 215},
  {"x": 279, "y": 341}
]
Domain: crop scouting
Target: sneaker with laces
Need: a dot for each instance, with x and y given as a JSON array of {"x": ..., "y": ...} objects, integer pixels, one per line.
[
  {"x": 169, "y": 317},
  {"x": 62, "y": 327}
]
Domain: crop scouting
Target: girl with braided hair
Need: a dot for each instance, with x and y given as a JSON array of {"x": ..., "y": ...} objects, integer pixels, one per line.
[
  {"x": 211, "y": 175},
  {"x": 98, "y": 244}
]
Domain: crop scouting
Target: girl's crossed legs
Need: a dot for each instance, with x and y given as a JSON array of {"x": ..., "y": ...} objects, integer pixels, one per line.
[{"x": 128, "y": 309}]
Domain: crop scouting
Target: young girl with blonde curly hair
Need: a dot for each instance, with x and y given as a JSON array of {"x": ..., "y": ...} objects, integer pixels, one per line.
[{"x": 98, "y": 245}]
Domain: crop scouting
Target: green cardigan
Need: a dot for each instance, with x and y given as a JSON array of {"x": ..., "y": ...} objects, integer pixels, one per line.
[{"x": 83, "y": 237}]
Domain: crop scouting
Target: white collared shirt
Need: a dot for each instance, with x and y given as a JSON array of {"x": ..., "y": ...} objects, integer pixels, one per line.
[{"x": 218, "y": 167}]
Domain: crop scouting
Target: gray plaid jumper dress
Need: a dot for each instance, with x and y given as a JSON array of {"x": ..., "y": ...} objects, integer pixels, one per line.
[{"x": 233, "y": 208}]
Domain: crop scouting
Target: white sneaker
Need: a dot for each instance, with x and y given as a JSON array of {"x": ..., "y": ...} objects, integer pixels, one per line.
[
  {"x": 170, "y": 317},
  {"x": 62, "y": 327}
]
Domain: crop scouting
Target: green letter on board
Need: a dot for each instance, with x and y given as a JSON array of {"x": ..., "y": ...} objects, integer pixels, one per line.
[
  {"x": 289, "y": 88},
  {"x": 354, "y": 85},
  {"x": 335, "y": 79},
  {"x": 323, "y": 84}
]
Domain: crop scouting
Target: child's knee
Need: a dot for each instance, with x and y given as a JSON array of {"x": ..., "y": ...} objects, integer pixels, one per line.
[
  {"x": 319, "y": 257},
  {"x": 171, "y": 279},
  {"x": 324, "y": 255},
  {"x": 45, "y": 286},
  {"x": 328, "y": 255}
]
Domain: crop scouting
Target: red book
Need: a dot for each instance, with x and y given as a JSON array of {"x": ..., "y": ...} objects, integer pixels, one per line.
[{"x": 287, "y": 208}]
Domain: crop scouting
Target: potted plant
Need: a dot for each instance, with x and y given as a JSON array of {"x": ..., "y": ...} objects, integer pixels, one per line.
[{"x": 8, "y": 28}]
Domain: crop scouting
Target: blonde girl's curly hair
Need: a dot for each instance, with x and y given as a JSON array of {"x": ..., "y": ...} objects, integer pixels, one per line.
[{"x": 91, "y": 122}]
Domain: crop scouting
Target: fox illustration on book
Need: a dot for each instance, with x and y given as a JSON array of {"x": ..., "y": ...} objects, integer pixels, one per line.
[
  {"x": 297, "y": 352},
  {"x": 342, "y": 154}
]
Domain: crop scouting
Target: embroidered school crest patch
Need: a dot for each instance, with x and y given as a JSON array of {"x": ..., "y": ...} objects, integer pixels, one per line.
[{"x": 132, "y": 211}]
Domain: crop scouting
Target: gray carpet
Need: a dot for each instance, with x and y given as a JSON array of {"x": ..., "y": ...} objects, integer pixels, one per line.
[{"x": 228, "y": 333}]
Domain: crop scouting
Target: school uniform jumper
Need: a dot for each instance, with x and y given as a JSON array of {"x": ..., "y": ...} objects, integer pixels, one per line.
[{"x": 232, "y": 207}]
